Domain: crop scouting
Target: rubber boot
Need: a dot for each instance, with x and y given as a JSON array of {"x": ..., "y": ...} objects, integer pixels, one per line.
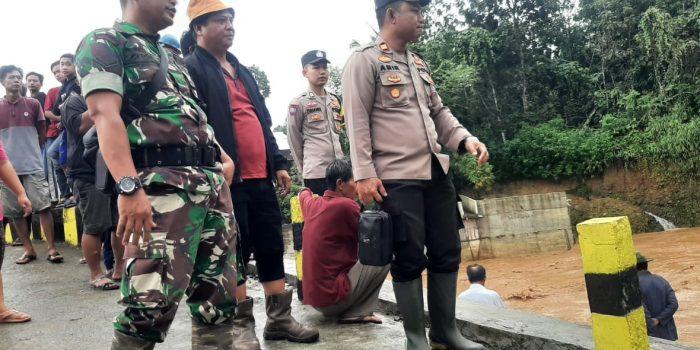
[
  {"x": 244, "y": 337},
  {"x": 442, "y": 294},
  {"x": 212, "y": 337},
  {"x": 280, "y": 323},
  {"x": 409, "y": 299},
  {"x": 121, "y": 341}
]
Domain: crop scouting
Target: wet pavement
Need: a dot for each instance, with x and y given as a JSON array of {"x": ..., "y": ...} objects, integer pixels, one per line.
[{"x": 68, "y": 314}]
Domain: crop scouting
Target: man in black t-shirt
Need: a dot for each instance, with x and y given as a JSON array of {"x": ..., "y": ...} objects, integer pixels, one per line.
[
  {"x": 69, "y": 88},
  {"x": 98, "y": 210},
  {"x": 34, "y": 83}
]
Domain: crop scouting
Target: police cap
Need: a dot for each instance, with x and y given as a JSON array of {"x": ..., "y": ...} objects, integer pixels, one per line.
[
  {"x": 314, "y": 56},
  {"x": 382, "y": 3}
]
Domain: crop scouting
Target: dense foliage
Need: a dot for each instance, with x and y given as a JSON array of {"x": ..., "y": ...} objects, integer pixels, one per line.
[{"x": 558, "y": 89}]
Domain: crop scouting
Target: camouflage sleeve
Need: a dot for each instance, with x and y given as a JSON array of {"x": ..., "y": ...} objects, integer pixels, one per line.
[{"x": 99, "y": 62}]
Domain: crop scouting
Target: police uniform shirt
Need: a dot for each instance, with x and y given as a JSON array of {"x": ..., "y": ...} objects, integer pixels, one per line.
[
  {"x": 314, "y": 124},
  {"x": 396, "y": 119}
]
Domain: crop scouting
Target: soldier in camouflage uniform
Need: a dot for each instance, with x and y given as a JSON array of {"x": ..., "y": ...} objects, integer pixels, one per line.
[{"x": 180, "y": 230}]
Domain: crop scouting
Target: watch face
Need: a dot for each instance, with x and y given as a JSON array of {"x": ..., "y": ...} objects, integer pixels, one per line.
[{"x": 127, "y": 185}]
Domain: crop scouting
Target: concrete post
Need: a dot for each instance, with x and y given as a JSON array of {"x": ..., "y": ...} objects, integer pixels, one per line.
[
  {"x": 297, "y": 228},
  {"x": 609, "y": 264}
]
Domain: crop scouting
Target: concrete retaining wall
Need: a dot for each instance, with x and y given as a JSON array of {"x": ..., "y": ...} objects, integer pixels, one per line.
[
  {"x": 504, "y": 329},
  {"x": 518, "y": 226}
]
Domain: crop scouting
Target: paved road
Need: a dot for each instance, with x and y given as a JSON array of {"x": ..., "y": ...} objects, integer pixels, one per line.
[{"x": 67, "y": 314}]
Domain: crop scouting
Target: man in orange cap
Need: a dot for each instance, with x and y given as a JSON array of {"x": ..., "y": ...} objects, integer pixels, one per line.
[
  {"x": 243, "y": 127},
  {"x": 175, "y": 210}
]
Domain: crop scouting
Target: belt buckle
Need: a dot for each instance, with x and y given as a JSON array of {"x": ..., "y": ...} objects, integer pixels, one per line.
[
  {"x": 189, "y": 157},
  {"x": 179, "y": 155},
  {"x": 198, "y": 156},
  {"x": 159, "y": 151}
]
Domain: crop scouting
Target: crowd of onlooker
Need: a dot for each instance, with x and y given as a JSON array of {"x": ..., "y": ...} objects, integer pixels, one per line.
[{"x": 43, "y": 168}]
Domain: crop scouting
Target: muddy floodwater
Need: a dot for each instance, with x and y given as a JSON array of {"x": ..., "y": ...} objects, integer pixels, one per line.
[{"x": 552, "y": 284}]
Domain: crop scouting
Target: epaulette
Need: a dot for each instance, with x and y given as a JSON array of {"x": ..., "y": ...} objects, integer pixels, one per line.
[
  {"x": 364, "y": 47},
  {"x": 418, "y": 59}
]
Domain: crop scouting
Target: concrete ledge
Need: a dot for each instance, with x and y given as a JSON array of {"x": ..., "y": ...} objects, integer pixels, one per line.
[{"x": 502, "y": 329}]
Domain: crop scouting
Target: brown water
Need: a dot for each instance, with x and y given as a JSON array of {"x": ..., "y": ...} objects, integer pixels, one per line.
[{"x": 552, "y": 284}]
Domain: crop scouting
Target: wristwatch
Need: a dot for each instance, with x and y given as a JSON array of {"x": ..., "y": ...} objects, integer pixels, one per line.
[{"x": 128, "y": 185}]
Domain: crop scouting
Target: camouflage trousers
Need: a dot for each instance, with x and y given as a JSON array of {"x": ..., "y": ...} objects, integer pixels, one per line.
[{"x": 191, "y": 252}]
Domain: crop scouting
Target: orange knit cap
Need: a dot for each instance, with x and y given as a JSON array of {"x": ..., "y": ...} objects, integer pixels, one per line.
[{"x": 198, "y": 8}]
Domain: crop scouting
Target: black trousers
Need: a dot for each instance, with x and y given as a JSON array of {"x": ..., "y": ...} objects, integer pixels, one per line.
[
  {"x": 317, "y": 186},
  {"x": 260, "y": 224},
  {"x": 425, "y": 215}
]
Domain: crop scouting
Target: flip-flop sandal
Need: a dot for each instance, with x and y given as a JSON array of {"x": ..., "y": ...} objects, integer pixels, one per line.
[
  {"x": 14, "y": 316},
  {"x": 109, "y": 285},
  {"x": 361, "y": 320},
  {"x": 82, "y": 261},
  {"x": 108, "y": 275},
  {"x": 25, "y": 259},
  {"x": 55, "y": 258},
  {"x": 16, "y": 243}
]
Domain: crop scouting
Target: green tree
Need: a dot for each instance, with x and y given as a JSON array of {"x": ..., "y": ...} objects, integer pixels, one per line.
[{"x": 263, "y": 82}]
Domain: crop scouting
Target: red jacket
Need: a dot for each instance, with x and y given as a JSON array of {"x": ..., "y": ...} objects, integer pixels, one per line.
[{"x": 329, "y": 246}]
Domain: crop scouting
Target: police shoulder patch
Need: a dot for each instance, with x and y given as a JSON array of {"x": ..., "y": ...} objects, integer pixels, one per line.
[
  {"x": 364, "y": 47},
  {"x": 293, "y": 110}
]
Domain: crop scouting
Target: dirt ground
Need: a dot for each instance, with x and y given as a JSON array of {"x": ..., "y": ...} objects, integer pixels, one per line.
[{"x": 552, "y": 284}]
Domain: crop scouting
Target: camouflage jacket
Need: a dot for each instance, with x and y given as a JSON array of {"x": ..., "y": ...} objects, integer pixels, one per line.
[{"x": 123, "y": 60}]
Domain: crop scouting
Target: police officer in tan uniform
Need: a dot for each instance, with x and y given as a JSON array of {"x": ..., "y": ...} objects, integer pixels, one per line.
[
  {"x": 314, "y": 124},
  {"x": 398, "y": 127}
]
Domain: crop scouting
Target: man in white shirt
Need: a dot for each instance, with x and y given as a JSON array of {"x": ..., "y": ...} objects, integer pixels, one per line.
[{"x": 477, "y": 293}]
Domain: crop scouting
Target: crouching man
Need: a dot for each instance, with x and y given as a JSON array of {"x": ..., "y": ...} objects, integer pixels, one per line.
[{"x": 335, "y": 282}]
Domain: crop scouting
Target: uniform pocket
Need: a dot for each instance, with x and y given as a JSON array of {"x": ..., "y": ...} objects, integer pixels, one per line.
[
  {"x": 316, "y": 123},
  {"x": 394, "y": 90},
  {"x": 145, "y": 289}
]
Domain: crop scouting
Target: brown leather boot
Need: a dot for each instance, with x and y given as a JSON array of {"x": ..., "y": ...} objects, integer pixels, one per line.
[
  {"x": 280, "y": 323},
  {"x": 244, "y": 337},
  {"x": 212, "y": 337},
  {"x": 121, "y": 341}
]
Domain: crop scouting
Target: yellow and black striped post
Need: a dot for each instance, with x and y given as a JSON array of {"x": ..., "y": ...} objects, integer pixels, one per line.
[
  {"x": 609, "y": 264},
  {"x": 8, "y": 234},
  {"x": 297, "y": 228},
  {"x": 70, "y": 226}
]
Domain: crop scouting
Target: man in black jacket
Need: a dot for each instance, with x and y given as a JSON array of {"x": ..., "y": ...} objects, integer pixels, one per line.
[
  {"x": 242, "y": 124},
  {"x": 660, "y": 303}
]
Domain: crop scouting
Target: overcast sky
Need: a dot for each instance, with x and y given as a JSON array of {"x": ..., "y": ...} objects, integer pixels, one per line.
[{"x": 272, "y": 34}]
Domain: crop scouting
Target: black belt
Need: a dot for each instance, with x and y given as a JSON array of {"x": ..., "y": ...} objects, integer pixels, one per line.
[{"x": 171, "y": 156}]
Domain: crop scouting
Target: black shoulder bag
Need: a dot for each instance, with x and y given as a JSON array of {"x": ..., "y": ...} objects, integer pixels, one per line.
[
  {"x": 376, "y": 236},
  {"x": 131, "y": 109}
]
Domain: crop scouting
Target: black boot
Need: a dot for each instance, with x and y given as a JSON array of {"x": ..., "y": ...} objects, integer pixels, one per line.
[
  {"x": 409, "y": 298},
  {"x": 281, "y": 324},
  {"x": 442, "y": 293},
  {"x": 121, "y": 341}
]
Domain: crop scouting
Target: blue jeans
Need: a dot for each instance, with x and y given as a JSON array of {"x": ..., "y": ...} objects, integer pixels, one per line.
[{"x": 53, "y": 154}]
